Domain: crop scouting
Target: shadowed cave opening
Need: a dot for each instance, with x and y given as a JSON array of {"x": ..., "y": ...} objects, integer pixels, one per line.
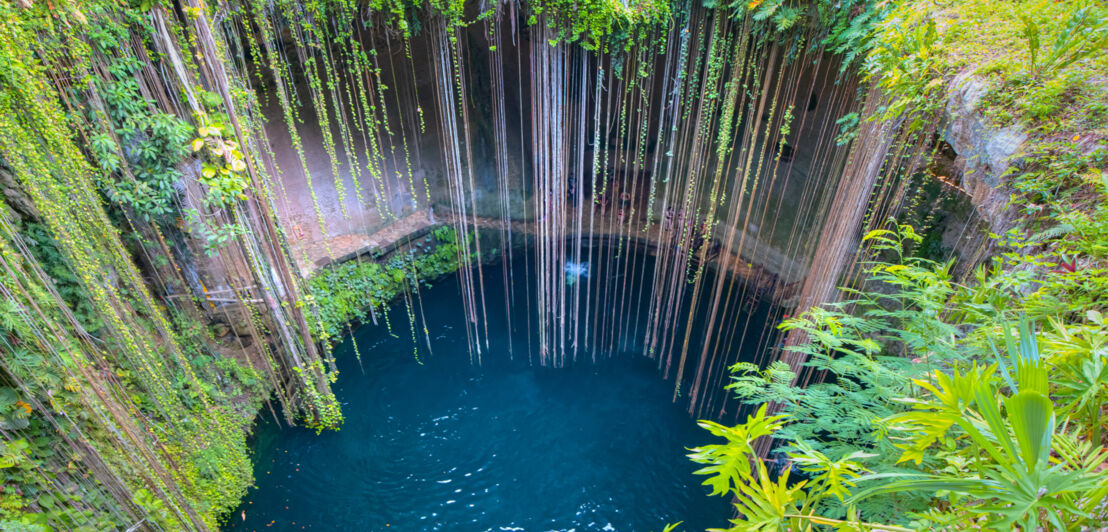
[{"x": 434, "y": 442}]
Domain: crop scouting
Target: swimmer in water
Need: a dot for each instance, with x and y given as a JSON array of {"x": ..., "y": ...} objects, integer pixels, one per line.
[{"x": 576, "y": 270}]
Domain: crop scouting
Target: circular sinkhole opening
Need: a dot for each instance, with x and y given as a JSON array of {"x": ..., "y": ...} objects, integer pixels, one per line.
[{"x": 432, "y": 441}]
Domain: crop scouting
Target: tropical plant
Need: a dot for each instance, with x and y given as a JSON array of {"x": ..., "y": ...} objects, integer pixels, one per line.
[
  {"x": 1079, "y": 365},
  {"x": 139, "y": 148},
  {"x": 224, "y": 168},
  {"x": 956, "y": 415},
  {"x": 909, "y": 62},
  {"x": 1004, "y": 436},
  {"x": 14, "y": 411},
  {"x": 766, "y": 503},
  {"x": 864, "y": 349},
  {"x": 1084, "y": 34}
]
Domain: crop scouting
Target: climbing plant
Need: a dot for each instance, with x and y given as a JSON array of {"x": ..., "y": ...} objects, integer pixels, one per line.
[
  {"x": 102, "y": 380},
  {"x": 350, "y": 291}
]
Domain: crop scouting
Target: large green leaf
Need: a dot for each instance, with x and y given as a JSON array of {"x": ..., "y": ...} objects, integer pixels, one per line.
[
  {"x": 1031, "y": 415},
  {"x": 988, "y": 404},
  {"x": 8, "y": 397}
]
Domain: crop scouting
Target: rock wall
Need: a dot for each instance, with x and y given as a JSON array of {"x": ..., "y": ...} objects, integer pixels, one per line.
[{"x": 985, "y": 152}]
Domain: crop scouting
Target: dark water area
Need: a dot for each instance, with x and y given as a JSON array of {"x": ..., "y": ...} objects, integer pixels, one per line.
[{"x": 439, "y": 443}]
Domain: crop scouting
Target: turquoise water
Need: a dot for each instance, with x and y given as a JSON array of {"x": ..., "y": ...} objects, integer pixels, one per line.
[{"x": 440, "y": 444}]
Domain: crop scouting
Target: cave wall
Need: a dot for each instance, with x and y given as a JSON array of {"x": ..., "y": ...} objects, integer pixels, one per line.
[{"x": 780, "y": 200}]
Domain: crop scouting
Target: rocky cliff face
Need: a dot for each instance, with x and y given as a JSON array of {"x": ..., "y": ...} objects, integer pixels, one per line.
[
  {"x": 12, "y": 193},
  {"x": 985, "y": 152}
]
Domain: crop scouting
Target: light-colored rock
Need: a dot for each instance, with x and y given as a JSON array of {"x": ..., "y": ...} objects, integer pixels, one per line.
[{"x": 985, "y": 152}]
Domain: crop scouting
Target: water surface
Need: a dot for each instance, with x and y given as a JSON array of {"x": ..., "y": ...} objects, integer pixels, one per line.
[{"x": 440, "y": 444}]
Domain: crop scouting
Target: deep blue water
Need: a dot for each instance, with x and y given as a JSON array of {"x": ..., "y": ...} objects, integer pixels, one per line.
[{"x": 441, "y": 444}]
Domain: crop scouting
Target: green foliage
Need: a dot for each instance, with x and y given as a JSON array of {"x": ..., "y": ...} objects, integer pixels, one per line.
[
  {"x": 214, "y": 236},
  {"x": 1037, "y": 102},
  {"x": 599, "y": 24},
  {"x": 909, "y": 62},
  {"x": 349, "y": 291},
  {"x": 14, "y": 413},
  {"x": 860, "y": 353},
  {"x": 155, "y": 507},
  {"x": 1084, "y": 34},
  {"x": 142, "y": 147},
  {"x": 1061, "y": 193},
  {"x": 780, "y": 14},
  {"x": 950, "y": 428},
  {"x": 29, "y": 503},
  {"x": 844, "y": 28},
  {"x": 594, "y": 24},
  {"x": 1042, "y": 60},
  {"x": 762, "y": 502},
  {"x": 1080, "y": 377},
  {"x": 225, "y": 174},
  {"x": 919, "y": 46},
  {"x": 1005, "y": 459},
  {"x": 851, "y": 28},
  {"x": 848, "y": 128},
  {"x": 45, "y": 250}
]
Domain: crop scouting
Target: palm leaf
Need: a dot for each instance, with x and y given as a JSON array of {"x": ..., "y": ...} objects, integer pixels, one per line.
[{"x": 1032, "y": 417}]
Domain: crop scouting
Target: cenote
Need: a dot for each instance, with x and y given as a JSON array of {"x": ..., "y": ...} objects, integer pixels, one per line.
[
  {"x": 553, "y": 265},
  {"x": 440, "y": 443}
]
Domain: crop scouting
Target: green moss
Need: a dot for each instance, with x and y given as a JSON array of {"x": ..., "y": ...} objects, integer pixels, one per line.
[{"x": 350, "y": 291}]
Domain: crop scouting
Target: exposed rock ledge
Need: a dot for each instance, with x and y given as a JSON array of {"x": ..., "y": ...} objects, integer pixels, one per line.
[{"x": 985, "y": 152}]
